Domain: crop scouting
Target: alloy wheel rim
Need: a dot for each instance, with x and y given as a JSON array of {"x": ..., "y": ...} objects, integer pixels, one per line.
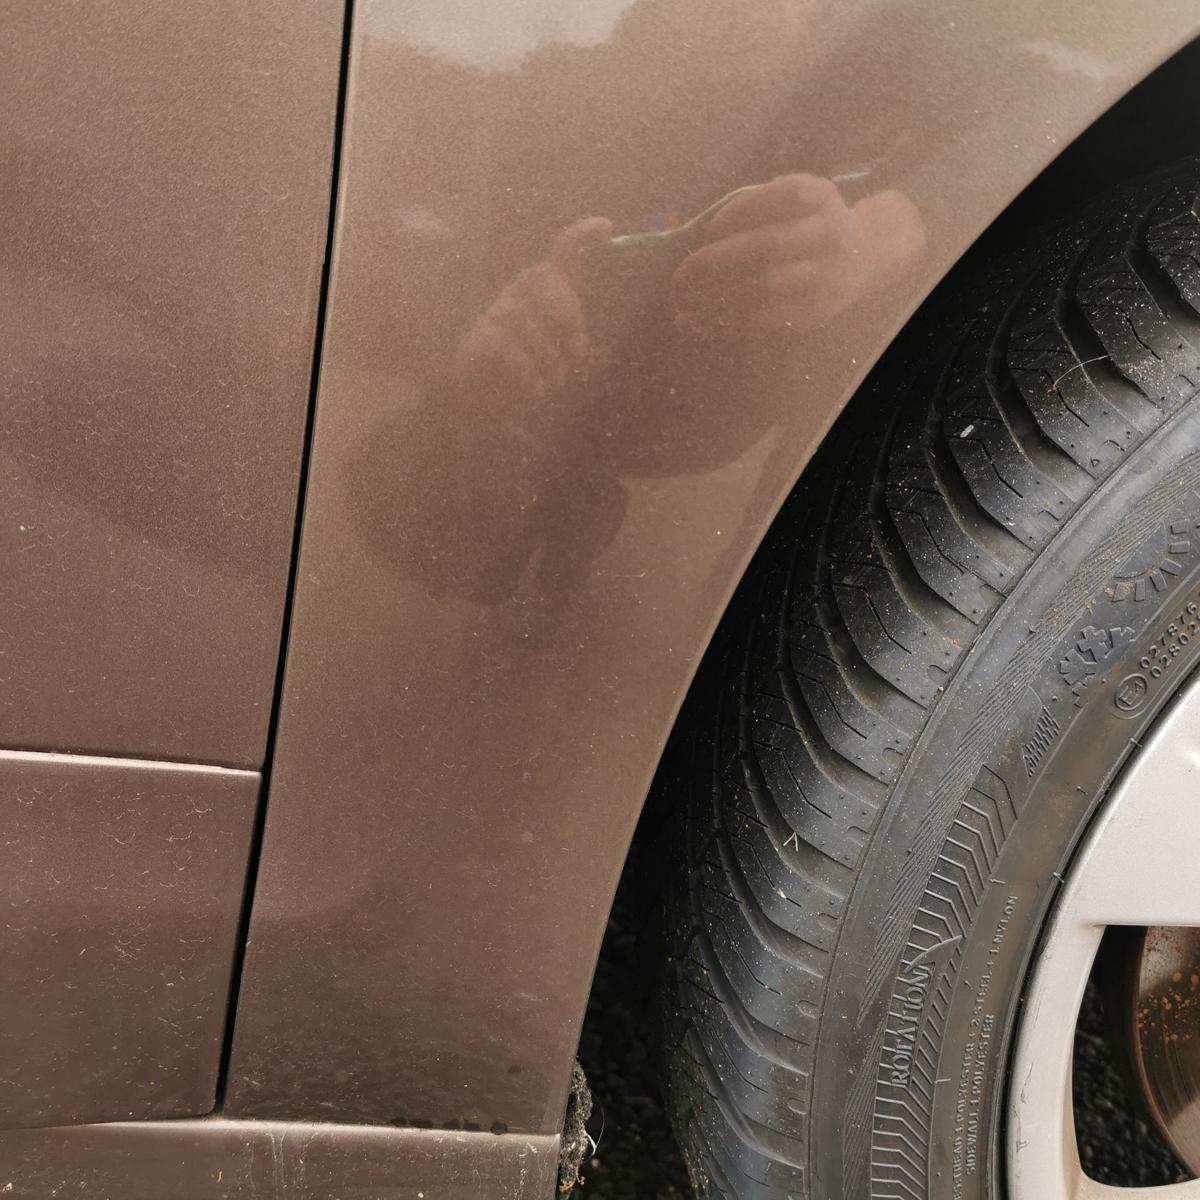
[{"x": 1139, "y": 867}]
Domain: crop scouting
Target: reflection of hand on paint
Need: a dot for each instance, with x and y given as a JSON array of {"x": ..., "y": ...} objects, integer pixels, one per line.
[
  {"x": 534, "y": 334},
  {"x": 793, "y": 252}
]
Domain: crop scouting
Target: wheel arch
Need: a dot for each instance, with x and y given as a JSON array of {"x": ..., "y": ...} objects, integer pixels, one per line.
[
  {"x": 1146, "y": 128},
  {"x": 479, "y": 764}
]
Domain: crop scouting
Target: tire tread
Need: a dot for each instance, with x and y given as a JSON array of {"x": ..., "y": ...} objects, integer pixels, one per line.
[{"x": 901, "y": 542}]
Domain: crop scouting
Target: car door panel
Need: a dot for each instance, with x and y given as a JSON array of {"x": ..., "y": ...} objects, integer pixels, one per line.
[
  {"x": 164, "y": 196},
  {"x": 163, "y": 220},
  {"x": 121, "y": 895}
]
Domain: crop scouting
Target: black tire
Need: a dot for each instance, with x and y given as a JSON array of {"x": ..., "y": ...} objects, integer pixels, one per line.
[{"x": 981, "y": 594}]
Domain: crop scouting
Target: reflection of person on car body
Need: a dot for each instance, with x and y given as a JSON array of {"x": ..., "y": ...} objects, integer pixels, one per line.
[
  {"x": 792, "y": 251},
  {"x": 778, "y": 255},
  {"x": 535, "y": 333},
  {"x": 579, "y": 364}
]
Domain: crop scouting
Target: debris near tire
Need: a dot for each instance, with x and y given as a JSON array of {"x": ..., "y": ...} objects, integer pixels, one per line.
[
  {"x": 636, "y": 1157},
  {"x": 576, "y": 1142}
]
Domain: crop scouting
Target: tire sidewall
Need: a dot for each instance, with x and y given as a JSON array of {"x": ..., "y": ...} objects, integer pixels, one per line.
[{"x": 924, "y": 995}]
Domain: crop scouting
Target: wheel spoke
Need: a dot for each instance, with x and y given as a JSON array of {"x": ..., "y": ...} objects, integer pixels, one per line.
[
  {"x": 1141, "y": 866},
  {"x": 1089, "y": 1189},
  {"x": 1043, "y": 1155},
  {"x": 1138, "y": 867}
]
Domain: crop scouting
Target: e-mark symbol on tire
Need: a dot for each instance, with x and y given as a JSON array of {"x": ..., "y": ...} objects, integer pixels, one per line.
[{"x": 1130, "y": 694}]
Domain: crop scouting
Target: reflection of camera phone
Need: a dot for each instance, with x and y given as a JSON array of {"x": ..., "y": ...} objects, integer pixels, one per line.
[{"x": 626, "y": 275}]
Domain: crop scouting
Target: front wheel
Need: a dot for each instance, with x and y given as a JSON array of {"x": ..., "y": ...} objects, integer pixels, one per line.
[{"x": 970, "y": 615}]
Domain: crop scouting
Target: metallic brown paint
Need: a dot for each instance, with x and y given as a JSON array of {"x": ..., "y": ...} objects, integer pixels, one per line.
[
  {"x": 121, "y": 891},
  {"x": 252, "y": 1160},
  {"x": 520, "y": 533},
  {"x": 543, "y": 455},
  {"x": 164, "y": 191}
]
